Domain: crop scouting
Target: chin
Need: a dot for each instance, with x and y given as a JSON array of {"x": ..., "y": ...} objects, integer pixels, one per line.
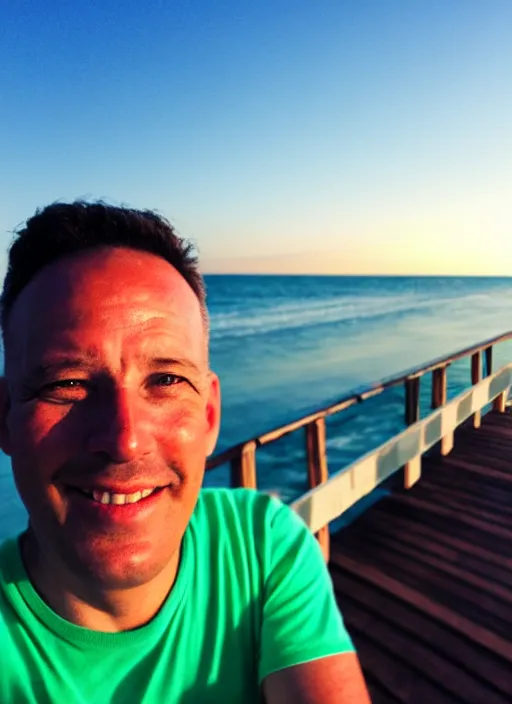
[{"x": 119, "y": 566}]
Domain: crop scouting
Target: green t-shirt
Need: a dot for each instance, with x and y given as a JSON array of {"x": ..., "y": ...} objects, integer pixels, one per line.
[{"x": 252, "y": 596}]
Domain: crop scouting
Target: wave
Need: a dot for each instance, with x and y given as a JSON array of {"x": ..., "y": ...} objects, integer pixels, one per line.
[{"x": 307, "y": 313}]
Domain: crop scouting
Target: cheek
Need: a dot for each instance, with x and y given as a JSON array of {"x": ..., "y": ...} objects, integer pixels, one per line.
[
  {"x": 38, "y": 449},
  {"x": 39, "y": 435},
  {"x": 44, "y": 436},
  {"x": 183, "y": 436}
]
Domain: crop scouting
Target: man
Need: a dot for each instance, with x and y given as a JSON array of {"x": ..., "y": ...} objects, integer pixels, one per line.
[{"x": 131, "y": 584}]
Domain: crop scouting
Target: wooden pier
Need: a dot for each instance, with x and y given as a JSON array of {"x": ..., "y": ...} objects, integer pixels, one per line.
[{"x": 423, "y": 577}]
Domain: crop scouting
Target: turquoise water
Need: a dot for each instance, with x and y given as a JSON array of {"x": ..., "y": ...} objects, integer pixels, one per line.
[{"x": 284, "y": 346}]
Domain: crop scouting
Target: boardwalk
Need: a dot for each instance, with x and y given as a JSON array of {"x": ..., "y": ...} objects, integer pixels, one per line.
[{"x": 424, "y": 578}]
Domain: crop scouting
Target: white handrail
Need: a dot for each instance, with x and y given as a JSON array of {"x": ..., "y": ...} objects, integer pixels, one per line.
[{"x": 328, "y": 501}]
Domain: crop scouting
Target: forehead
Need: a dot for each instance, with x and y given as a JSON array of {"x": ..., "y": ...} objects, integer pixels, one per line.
[{"x": 107, "y": 295}]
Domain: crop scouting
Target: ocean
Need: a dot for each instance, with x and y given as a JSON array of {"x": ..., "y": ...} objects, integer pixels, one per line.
[{"x": 287, "y": 345}]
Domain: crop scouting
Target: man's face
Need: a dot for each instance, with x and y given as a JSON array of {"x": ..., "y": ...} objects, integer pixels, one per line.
[{"x": 109, "y": 398}]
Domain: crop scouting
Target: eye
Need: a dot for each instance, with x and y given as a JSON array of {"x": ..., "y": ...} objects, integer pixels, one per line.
[
  {"x": 169, "y": 384},
  {"x": 167, "y": 379},
  {"x": 64, "y": 391}
]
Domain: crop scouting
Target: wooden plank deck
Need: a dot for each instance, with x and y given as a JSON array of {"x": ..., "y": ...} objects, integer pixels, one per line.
[{"x": 424, "y": 577}]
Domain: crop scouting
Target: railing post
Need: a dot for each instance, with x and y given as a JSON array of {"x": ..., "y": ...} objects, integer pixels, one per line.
[
  {"x": 439, "y": 398},
  {"x": 439, "y": 387},
  {"x": 500, "y": 402},
  {"x": 476, "y": 375},
  {"x": 488, "y": 361},
  {"x": 243, "y": 467},
  {"x": 412, "y": 400},
  {"x": 412, "y": 469},
  {"x": 317, "y": 470}
]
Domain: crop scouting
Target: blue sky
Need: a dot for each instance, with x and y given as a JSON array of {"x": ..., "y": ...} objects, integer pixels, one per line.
[{"x": 336, "y": 136}]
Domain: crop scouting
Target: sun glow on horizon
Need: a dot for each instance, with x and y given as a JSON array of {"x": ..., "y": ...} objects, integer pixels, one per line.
[{"x": 336, "y": 138}]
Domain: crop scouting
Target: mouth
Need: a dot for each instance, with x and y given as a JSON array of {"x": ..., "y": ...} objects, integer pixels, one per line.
[{"x": 106, "y": 498}]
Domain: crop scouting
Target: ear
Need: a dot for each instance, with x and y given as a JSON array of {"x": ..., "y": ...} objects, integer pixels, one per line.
[
  {"x": 5, "y": 405},
  {"x": 212, "y": 413}
]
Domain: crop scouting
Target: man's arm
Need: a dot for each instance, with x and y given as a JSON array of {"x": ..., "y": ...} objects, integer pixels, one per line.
[{"x": 336, "y": 679}]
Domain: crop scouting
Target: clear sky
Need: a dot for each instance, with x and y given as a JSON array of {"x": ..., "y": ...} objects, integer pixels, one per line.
[{"x": 322, "y": 136}]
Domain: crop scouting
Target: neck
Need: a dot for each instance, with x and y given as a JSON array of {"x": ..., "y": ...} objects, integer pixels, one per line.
[{"x": 109, "y": 611}]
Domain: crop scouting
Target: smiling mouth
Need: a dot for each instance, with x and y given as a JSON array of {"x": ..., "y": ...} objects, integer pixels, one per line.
[{"x": 106, "y": 497}]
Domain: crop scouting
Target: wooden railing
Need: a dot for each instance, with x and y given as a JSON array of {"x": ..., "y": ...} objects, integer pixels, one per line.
[{"x": 242, "y": 457}]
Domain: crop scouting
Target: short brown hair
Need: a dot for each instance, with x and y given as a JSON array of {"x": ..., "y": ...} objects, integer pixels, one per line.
[{"x": 62, "y": 229}]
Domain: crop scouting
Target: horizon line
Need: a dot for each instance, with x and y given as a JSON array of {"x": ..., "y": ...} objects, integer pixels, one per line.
[{"x": 361, "y": 276}]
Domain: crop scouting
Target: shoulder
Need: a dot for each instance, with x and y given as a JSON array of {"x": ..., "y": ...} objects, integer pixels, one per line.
[
  {"x": 246, "y": 510},
  {"x": 245, "y": 502},
  {"x": 251, "y": 522}
]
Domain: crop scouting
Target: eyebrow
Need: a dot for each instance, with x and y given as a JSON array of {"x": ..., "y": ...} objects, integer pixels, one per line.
[
  {"x": 87, "y": 360},
  {"x": 62, "y": 364},
  {"x": 186, "y": 364}
]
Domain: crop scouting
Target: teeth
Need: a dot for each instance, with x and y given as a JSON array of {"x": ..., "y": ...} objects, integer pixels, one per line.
[
  {"x": 98, "y": 496},
  {"x": 103, "y": 497},
  {"x": 133, "y": 498}
]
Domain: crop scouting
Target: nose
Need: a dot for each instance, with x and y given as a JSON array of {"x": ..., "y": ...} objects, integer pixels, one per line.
[{"x": 122, "y": 430}]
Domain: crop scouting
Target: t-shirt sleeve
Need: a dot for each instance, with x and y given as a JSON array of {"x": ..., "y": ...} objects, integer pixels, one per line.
[{"x": 301, "y": 620}]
